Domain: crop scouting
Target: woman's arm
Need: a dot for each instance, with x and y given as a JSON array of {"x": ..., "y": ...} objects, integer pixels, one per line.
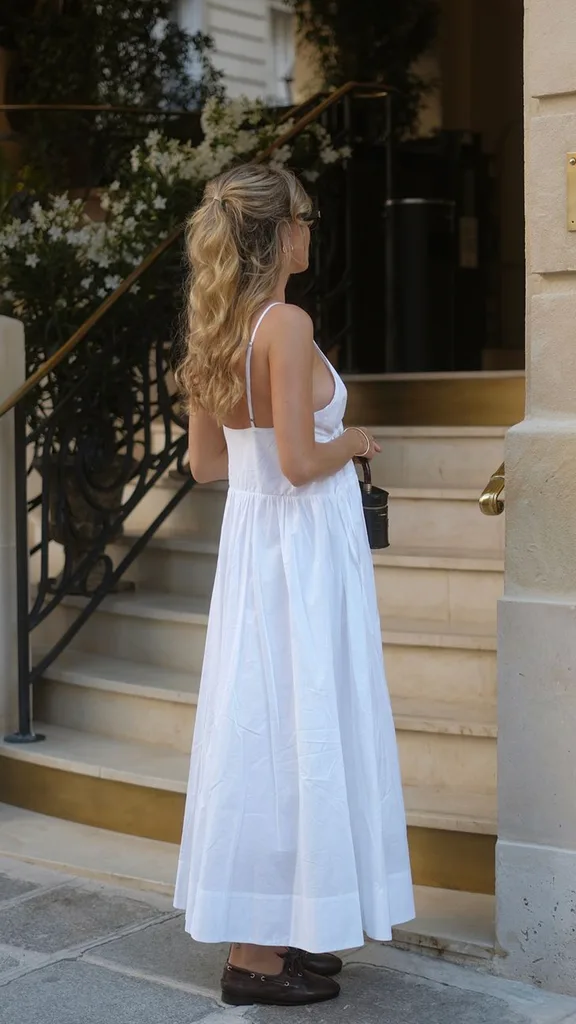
[
  {"x": 291, "y": 360},
  {"x": 207, "y": 449}
]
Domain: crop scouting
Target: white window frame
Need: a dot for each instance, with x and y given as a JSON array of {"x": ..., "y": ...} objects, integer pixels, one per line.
[
  {"x": 276, "y": 5},
  {"x": 191, "y": 15}
]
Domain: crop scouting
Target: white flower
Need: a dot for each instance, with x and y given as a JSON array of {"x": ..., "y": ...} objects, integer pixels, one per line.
[
  {"x": 112, "y": 281},
  {"x": 282, "y": 155},
  {"x": 99, "y": 9},
  {"x": 105, "y": 201},
  {"x": 60, "y": 203},
  {"x": 32, "y": 260},
  {"x": 135, "y": 160},
  {"x": 101, "y": 293},
  {"x": 9, "y": 240},
  {"x": 135, "y": 288},
  {"x": 159, "y": 203},
  {"x": 86, "y": 282},
  {"x": 139, "y": 207},
  {"x": 159, "y": 30},
  {"x": 153, "y": 138},
  {"x": 311, "y": 175},
  {"x": 345, "y": 152},
  {"x": 114, "y": 186},
  {"x": 55, "y": 231},
  {"x": 329, "y": 155},
  {"x": 38, "y": 215}
]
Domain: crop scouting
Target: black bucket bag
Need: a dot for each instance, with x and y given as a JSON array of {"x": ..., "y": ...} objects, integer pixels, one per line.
[{"x": 375, "y": 505}]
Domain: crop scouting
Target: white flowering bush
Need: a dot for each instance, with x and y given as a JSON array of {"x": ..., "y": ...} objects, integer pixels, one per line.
[{"x": 57, "y": 264}]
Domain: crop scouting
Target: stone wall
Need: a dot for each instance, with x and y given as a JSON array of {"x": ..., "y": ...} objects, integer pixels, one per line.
[{"x": 536, "y": 854}]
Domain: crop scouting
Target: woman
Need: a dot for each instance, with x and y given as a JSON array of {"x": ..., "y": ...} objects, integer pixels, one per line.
[{"x": 294, "y": 835}]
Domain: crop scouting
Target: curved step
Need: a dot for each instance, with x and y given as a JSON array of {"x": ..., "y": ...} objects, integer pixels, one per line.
[
  {"x": 139, "y": 788},
  {"x": 445, "y": 586}
]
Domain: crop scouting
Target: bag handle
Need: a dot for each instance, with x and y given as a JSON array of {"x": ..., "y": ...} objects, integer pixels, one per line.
[{"x": 365, "y": 463}]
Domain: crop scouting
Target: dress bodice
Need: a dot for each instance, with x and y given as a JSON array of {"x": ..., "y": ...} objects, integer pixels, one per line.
[{"x": 253, "y": 460}]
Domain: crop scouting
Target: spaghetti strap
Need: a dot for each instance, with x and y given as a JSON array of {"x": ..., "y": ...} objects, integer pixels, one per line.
[{"x": 249, "y": 361}]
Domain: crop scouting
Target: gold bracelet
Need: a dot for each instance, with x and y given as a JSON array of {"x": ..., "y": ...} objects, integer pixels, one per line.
[{"x": 363, "y": 454}]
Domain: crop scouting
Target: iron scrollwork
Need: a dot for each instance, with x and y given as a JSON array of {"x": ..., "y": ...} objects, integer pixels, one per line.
[{"x": 102, "y": 430}]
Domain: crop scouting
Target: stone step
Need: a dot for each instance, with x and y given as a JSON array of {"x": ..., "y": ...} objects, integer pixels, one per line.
[
  {"x": 440, "y": 743},
  {"x": 439, "y": 457},
  {"x": 460, "y": 925},
  {"x": 120, "y": 699},
  {"x": 426, "y": 518},
  {"x": 161, "y": 769},
  {"x": 447, "y": 586},
  {"x": 427, "y": 660}
]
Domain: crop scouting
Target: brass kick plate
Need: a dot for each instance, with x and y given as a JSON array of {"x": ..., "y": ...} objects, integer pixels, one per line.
[{"x": 571, "y": 190}]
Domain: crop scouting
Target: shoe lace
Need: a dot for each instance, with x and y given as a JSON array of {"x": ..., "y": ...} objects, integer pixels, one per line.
[{"x": 294, "y": 960}]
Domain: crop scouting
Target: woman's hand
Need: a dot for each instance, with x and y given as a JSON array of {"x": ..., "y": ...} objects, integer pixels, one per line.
[{"x": 367, "y": 446}]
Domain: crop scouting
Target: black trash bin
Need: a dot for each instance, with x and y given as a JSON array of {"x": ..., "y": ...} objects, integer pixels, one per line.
[{"x": 420, "y": 285}]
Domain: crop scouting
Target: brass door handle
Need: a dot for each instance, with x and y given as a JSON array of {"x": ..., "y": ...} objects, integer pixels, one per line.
[{"x": 491, "y": 504}]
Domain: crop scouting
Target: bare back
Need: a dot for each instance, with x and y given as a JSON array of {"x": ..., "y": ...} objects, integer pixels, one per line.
[{"x": 266, "y": 326}]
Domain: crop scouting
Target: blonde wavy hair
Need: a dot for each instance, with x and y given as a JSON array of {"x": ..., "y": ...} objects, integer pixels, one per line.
[{"x": 235, "y": 242}]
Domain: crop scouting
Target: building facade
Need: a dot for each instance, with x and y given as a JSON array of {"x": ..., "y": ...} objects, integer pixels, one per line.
[{"x": 254, "y": 44}]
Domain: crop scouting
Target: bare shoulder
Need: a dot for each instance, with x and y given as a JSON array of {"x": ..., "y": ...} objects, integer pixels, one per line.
[{"x": 288, "y": 325}]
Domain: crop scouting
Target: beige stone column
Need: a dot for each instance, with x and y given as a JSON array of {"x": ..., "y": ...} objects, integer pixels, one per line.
[
  {"x": 536, "y": 852},
  {"x": 12, "y": 373}
]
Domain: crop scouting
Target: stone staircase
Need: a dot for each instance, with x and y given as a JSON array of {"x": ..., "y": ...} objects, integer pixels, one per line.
[{"x": 118, "y": 708}]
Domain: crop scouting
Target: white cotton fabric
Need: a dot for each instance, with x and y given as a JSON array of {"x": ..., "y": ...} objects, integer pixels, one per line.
[{"x": 294, "y": 831}]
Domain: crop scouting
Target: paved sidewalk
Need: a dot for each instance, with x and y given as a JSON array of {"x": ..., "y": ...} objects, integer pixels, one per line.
[{"x": 79, "y": 952}]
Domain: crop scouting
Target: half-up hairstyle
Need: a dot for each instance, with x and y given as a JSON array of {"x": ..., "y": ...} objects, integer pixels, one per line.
[{"x": 235, "y": 249}]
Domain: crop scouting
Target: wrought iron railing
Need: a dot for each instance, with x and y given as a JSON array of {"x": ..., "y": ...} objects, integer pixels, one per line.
[{"x": 98, "y": 425}]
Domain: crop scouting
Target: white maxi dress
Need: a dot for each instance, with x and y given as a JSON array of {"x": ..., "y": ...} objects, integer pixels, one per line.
[{"x": 294, "y": 831}]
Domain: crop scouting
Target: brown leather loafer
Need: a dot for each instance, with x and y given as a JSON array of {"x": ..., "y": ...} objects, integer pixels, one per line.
[
  {"x": 325, "y": 964},
  {"x": 294, "y": 986}
]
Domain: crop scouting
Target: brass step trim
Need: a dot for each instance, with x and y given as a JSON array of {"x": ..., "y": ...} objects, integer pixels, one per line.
[
  {"x": 442, "y": 859},
  {"x": 457, "y": 400}
]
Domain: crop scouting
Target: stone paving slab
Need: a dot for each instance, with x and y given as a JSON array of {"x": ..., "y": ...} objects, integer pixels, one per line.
[
  {"x": 379, "y": 996},
  {"x": 69, "y": 916},
  {"x": 79, "y": 952},
  {"x": 11, "y": 887},
  {"x": 79, "y": 993},
  {"x": 165, "y": 950}
]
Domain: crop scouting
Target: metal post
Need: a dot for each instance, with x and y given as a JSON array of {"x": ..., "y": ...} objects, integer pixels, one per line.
[
  {"x": 349, "y": 358},
  {"x": 389, "y": 341},
  {"x": 25, "y": 733}
]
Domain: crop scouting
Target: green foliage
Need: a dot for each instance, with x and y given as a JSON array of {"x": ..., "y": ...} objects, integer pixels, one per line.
[
  {"x": 57, "y": 264},
  {"x": 371, "y": 41},
  {"x": 119, "y": 52}
]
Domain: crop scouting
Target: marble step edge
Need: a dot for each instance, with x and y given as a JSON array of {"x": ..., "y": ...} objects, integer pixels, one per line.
[
  {"x": 401, "y": 557},
  {"x": 451, "y": 432},
  {"x": 447, "y": 920},
  {"x": 152, "y": 767},
  {"x": 120, "y": 676},
  {"x": 168, "y": 607},
  {"x": 173, "y": 480}
]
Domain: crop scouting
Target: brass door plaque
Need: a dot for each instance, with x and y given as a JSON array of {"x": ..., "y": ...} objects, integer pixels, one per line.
[{"x": 571, "y": 190}]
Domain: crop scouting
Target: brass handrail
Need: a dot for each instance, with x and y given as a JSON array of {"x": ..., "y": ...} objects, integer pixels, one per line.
[
  {"x": 104, "y": 108},
  {"x": 50, "y": 364},
  {"x": 491, "y": 504}
]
